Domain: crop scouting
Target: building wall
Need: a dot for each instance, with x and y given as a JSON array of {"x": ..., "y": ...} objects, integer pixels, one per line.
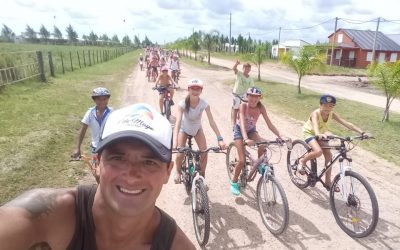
[{"x": 346, "y": 39}]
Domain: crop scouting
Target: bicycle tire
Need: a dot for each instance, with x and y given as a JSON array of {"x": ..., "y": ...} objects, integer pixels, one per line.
[
  {"x": 232, "y": 159},
  {"x": 186, "y": 178},
  {"x": 200, "y": 210},
  {"x": 299, "y": 148},
  {"x": 275, "y": 202},
  {"x": 354, "y": 206},
  {"x": 167, "y": 109}
]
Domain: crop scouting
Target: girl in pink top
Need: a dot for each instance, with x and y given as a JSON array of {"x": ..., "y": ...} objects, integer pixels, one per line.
[{"x": 245, "y": 131}]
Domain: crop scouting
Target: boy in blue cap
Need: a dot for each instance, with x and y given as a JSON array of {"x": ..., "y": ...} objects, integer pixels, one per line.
[{"x": 315, "y": 130}]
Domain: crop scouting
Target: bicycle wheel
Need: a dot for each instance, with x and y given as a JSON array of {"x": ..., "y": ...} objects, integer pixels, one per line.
[
  {"x": 272, "y": 204},
  {"x": 299, "y": 149},
  {"x": 167, "y": 109},
  {"x": 186, "y": 178},
  {"x": 201, "y": 213},
  {"x": 232, "y": 159},
  {"x": 355, "y": 207}
]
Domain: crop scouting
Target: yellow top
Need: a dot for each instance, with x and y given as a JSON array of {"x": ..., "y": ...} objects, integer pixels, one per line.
[{"x": 308, "y": 130}]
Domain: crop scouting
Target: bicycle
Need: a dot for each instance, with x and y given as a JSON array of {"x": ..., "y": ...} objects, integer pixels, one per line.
[
  {"x": 271, "y": 198},
  {"x": 166, "y": 100},
  {"x": 90, "y": 162},
  {"x": 175, "y": 75},
  {"x": 347, "y": 205},
  {"x": 195, "y": 187}
]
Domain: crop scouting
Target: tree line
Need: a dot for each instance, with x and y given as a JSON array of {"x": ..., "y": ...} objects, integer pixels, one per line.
[{"x": 56, "y": 37}]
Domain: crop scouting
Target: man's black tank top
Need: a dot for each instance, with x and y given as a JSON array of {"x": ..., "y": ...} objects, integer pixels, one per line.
[{"x": 84, "y": 236}]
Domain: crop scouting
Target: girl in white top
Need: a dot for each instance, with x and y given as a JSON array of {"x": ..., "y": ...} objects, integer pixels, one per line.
[{"x": 191, "y": 110}]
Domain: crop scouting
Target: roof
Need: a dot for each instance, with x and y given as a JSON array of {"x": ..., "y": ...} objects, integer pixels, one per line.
[
  {"x": 365, "y": 39},
  {"x": 395, "y": 38}
]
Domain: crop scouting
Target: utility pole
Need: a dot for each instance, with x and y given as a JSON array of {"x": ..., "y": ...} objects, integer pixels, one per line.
[
  {"x": 333, "y": 43},
  {"x": 279, "y": 41},
  {"x": 374, "y": 44},
  {"x": 230, "y": 31}
]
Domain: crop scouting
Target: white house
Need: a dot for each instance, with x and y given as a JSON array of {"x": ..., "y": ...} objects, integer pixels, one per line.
[{"x": 291, "y": 45}]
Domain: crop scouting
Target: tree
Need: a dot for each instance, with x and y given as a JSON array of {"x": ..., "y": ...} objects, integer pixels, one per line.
[
  {"x": 7, "y": 34},
  {"x": 136, "y": 41},
  {"x": 146, "y": 41},
  {"x": 57, "y": 33},
  {"x": 210, "y": 40},
  {"x": 71, "y": 34},
  {"x": 307, "y": 60},
  {"x": 194, "y": 41},
  {"x": 30, "y": 34},
  {"x": 93, "y": 38},
  {"x": 258, "y": 58},
  {"x": 387, "y": 77},
  {"x": 44, "y": 33},
  {"x": 115, "y": 39},
  {"x": 126, "y": 41}
]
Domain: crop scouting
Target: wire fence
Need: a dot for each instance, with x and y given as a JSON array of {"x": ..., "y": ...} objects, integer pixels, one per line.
[{"x": 19, "y": 66}]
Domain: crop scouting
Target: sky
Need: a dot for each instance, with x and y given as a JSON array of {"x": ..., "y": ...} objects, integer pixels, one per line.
[{"x": 164, "y": 21}]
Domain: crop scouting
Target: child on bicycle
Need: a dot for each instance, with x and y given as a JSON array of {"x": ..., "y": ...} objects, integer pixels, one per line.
[
  {"x": 242, "y": 83},
  {"x": 245, "y": 131},
  {"x": 94, "y": 118},
  {"x": 167, "y": 84},
  {"x": 315, "y": 130},
  {"x": 191, "y": 110}
]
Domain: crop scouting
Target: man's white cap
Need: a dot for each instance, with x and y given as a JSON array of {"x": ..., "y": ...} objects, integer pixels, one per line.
[{"x": 139, "y": 122}]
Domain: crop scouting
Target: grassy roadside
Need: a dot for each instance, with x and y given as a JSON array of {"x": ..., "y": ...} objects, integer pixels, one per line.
[
  {"x": 40, "y": 124},
  {"x": 199, "y": 64},
  {"x": 283, "y": 98},
  {"x": 328, "y": 70}
]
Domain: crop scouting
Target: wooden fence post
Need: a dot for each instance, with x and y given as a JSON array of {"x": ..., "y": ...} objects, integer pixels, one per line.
[
  {"x": 51, "y": 66},
  {"x": 42, "y": 75},
  {"x": 79, "y": 60},
  {"x": 84, "y": 58},
  {"x": 97, "y": 55},
  {"x": 70, "y": 58},
  {"x": 90, "y": 60},
  {"x": 94, "y": 61},
  {"x": 62, "y": 63}
]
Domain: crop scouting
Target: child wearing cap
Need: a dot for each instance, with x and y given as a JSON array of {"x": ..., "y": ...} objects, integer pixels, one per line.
[
  {"x": 94, "y": 118},
  {"x": 316, "y": 127},
  {"x": 164, "y": 80},
  {"x": 245, "y": 131},
  {"x": 188, "y": 122}
]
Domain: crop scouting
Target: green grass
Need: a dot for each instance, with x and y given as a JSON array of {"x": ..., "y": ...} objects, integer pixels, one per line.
[
  {"x": 201, "y": 64},
  {"x": 40, "y": 122},
  {"x": 17, "y": 54},
  {"x": 327, "y": 70},
  {"x": 284, "y": 99}
]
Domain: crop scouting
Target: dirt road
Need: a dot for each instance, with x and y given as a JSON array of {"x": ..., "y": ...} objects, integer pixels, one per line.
[
  {"x": 340, "y": 86},
  {"x": 235, "y": 221}
]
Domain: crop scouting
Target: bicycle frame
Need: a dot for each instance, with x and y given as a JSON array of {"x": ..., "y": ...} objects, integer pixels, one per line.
[{"x": 341, "y": 155}]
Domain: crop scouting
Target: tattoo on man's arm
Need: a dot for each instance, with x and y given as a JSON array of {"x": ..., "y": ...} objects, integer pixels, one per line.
[{"x": 36, "y": 202}]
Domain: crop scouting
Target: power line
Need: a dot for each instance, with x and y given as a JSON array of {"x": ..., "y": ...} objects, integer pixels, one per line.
[
  {"x": 310, "y": 27},
  {"x": 354, "y": 21}
]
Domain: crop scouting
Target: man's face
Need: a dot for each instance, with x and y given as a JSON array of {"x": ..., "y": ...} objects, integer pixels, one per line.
[{"x": 131, "y": 178}]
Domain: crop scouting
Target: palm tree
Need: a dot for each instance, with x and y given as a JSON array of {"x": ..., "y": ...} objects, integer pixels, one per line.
[
  {"x": 387, "y": 77},
  {"x": 307, "y": 60},
  {"x": 210, "y": 40}
]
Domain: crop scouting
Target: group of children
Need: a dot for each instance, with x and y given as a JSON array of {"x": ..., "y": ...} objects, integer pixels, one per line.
[{"x": 244, "y": 117}]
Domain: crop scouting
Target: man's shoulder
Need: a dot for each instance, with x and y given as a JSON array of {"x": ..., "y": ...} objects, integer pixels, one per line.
[{"x": 181, "y": 241}]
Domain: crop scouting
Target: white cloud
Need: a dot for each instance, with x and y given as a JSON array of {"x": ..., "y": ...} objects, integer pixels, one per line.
[{"x": 163, "y": 20}]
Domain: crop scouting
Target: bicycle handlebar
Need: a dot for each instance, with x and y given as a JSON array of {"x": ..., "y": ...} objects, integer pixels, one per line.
[
  {"x": 278, "y": 142},
  {"x": 240, "y": 97},
  {"x": 197, "y": 151},
  {"x": 347, "y": 138}
]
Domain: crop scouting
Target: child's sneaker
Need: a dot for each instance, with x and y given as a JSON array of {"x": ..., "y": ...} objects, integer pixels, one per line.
[{"x": 235, "y": 189}]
